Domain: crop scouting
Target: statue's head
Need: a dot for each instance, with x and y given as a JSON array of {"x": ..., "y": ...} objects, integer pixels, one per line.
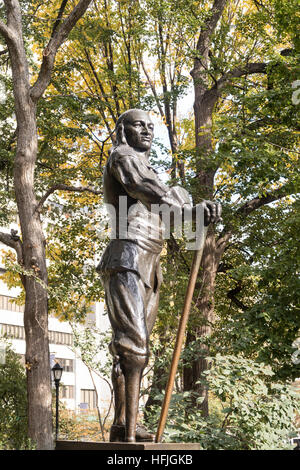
[{"x": 135, "y": 128}]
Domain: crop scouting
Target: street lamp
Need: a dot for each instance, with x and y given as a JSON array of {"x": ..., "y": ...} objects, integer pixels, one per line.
[{"x": 57, "y": 373}]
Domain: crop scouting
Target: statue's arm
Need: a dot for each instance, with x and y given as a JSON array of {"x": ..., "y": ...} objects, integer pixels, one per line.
[
  {"x": 141, "y": 182},
  {"x": 138, "y": 179}
]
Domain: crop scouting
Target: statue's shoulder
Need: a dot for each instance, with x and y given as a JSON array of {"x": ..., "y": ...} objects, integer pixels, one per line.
[
  {"x": 120, "y": 152},
  {"x": 122, "y": 157}
]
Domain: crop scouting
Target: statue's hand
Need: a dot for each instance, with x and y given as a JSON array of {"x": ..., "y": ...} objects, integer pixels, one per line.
[{"x": 212, "y": 212}]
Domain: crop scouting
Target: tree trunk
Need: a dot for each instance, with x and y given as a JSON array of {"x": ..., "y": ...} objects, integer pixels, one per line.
[
  {"x": 206, "y": 97},
  {"x": 203, "y": 109},
  {"x": 36, "y": 303},
  {"x": 200, "y": 323},
  {"x": 33, "y": 257},
  {"x": 33, "y": 242},
  {"x": 205, "y": 100}
]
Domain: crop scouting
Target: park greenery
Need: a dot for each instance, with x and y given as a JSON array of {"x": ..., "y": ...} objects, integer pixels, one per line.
[
  {"x": 236, "y": 61},
  {"x": 247, "y": 412},
  {"x": 13, "y": 402}
]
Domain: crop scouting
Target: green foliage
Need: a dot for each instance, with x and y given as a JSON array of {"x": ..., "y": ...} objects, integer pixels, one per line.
[
  {"x": 246, "y": 411},
  {"x": 257, "y": 414},
  {"x": 13, "y": 402},
  {"x": 73, "y": 244},
  {"x": 262, "y": 318}
]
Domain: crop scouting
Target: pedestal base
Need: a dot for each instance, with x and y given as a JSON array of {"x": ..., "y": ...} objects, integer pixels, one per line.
[{"x": 138, "y": 446}]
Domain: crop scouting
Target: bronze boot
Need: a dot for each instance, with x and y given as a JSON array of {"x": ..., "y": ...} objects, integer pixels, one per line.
[{"x": 117, "y": 434}]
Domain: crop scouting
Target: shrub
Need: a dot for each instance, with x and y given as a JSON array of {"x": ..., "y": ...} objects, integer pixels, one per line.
[
  {"x": 13, "y": 403},
  {"x": 247, "y": 410}
]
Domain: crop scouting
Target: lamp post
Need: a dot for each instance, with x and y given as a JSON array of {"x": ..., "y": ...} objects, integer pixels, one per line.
[{"x": 57, "y": 373}]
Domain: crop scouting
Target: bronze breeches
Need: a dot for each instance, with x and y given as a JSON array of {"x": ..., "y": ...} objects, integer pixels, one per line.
[{"x": 132, "y": 309}]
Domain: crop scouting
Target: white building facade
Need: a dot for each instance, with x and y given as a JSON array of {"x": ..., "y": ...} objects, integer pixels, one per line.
[{"x": 77, "y": 385}]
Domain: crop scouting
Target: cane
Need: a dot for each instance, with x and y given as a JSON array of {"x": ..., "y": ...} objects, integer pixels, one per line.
[{"x": 180, "y": 335}]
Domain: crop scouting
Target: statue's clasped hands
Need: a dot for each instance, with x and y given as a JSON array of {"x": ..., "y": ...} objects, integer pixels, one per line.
[{"x": 212, "y": 212}]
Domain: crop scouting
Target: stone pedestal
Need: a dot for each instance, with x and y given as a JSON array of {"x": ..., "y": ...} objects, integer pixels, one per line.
[{"x": 119, "y": 446}]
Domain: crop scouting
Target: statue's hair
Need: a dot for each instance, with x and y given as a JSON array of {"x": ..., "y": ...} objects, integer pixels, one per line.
[{"x": 120, "y": 134}]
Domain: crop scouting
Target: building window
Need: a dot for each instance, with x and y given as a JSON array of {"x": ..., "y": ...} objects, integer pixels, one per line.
[
  {"x": 56, "y": 337},
  {"x": 66, "y": 391},
  {"x": 88, "y": 398},
  {"x": 13, "y": 331},
  {"x": 67, "y": 364},
  {"x": 8, "y": 303},
  {"x": 18, "y": 332}
]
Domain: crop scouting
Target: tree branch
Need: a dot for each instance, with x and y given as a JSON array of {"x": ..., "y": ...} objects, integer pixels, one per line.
[
  {"x": 222, "y": 242},
  {"x": 64, "y": 187},
  {"x": 259, "y": 67},
  {"x": 258, "y": 202},
  {"x": 6, "y": 33},
  {"x": 14, "y": 15},
  {"x": 13, "y": 35},
  {"x": 13, "y": 241},
  {"x": 59, "y": 16},
  {"x": 13, "y": 29},
  {"x": 250, "y": 68},
  {"x": 207, "y": 30},
  {"x": 232, "y": 295},
  {"x": 211, "y": 23},
  {"x": 59, "y": 36},
  {"x": 153, "y": 89},
  {"x": 100, "y": 85},
  {"x": 251, "y": 206}
]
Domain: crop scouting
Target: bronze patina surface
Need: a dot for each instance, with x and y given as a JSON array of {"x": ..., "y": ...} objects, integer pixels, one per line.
[{"x": 130, "y": 266}]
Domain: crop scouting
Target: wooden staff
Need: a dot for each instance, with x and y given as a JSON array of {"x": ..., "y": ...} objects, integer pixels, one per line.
[{"x": 180, "y": 336}]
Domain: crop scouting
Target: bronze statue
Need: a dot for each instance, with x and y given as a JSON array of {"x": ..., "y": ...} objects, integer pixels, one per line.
[{"x": 130, "y": 266}]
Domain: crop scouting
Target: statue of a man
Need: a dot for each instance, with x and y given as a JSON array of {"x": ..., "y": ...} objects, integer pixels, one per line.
[{"x": 130, "y": 265}]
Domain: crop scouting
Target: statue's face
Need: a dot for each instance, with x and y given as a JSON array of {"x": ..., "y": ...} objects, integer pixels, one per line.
[{"x": 139, "y": 130}]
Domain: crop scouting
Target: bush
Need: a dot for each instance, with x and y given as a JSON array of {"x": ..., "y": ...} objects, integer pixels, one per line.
[
  {"x": 247, "y": 410},
  {"x": 13, "y": 403}
]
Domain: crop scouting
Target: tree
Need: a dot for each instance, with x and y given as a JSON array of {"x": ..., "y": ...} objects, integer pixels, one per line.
[
  {"x": 241, "y": 127},
  {"x": 31, "y": 248},
  {"x": 212, "y": 79}
]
